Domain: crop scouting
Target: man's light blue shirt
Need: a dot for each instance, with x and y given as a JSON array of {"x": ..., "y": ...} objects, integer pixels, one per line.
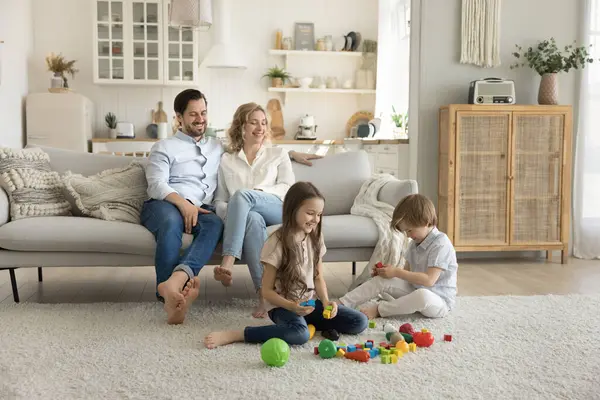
[{"x": 182, "y": 165}]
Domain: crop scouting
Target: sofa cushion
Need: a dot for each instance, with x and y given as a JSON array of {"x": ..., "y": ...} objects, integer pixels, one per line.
[
  {"x": 84, "y": 234},
  {"x": 33, "y": 188},
  {"x": 339, "y": 177},
  {"x": 116, "y": 194}
]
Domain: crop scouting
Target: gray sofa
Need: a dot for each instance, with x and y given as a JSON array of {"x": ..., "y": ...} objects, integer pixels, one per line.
[{"x": 82, "y": 241}]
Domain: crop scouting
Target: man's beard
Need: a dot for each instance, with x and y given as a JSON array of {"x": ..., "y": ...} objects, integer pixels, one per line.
[{"x": 195, "y": 130}]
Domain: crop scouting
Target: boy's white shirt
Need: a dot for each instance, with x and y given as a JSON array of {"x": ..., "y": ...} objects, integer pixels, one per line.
[{"x": 270, "y": 172}]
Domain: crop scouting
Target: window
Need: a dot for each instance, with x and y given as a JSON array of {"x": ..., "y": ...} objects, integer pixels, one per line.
[{"x": 393, "y": 60}]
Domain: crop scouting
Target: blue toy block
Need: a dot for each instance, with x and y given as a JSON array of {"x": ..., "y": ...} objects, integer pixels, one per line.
[
  {"x": 369, "y": 345},
  {"x": 341, "y": 347},
  {"x": 374, "y": 353},
  {"x": 310, "y": 303},
  {"x": 351, "y": 348}
]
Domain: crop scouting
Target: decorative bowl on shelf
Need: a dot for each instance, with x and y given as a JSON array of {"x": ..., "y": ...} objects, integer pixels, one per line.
[{"x": 305, "y": 82}]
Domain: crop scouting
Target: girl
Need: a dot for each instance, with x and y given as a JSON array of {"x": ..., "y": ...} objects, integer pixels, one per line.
[
  {"x": 253, "y": 180},
  {"x": 293, "y": 269}
]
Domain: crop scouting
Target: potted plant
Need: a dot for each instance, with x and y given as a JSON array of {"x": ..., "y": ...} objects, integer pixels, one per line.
[
  {"x": 111, "y": 123},
  {"x": 548, "y": 60},
  {"x": 400, "y": 121},
  {"x": 60, "y": 67},
  {"x": 278, "y": 76}
]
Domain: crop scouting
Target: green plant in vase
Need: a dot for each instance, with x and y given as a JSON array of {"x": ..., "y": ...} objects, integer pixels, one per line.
[
  {"x": 400, "y": 120},
  {"x": 547, "y": 59},
  {"x": 111, "y": 122},
  {"x": 278, "y": 76}
]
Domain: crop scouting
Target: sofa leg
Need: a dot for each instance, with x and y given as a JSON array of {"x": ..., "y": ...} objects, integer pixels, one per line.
[
  {"x": 353, "y": 267},
  {"x": 13, "y": 283},
  {"x": 40, "y": 277}
]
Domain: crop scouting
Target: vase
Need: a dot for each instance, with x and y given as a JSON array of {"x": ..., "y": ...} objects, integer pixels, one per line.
[
  {"x": 548, "y": 91},
  {"x": 112, "y": 133},
  {"x": 276, "y": 82},
  {"x": 56, "y": 81}
]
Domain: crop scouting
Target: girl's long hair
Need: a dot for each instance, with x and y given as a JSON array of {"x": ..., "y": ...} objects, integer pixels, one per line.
[{"x": 293, "y": 284}]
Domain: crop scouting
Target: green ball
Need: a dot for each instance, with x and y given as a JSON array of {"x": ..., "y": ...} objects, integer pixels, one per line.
[
  {"x": 275, "y": 352},
  {"x": 407, "y": 337},
  {"x": 327, "y": 349}
]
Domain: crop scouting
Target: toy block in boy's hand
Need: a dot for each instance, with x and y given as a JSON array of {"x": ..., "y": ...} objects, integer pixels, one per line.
[{"x": 327, "y": 314}]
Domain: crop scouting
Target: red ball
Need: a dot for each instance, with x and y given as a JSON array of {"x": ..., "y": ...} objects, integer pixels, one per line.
[{"x": 406, "y": 328}]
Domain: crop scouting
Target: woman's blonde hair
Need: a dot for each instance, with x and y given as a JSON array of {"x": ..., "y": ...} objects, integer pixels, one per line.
[
  {"x": 235, "y": 132},
  {"x": 415, "y": 211}
]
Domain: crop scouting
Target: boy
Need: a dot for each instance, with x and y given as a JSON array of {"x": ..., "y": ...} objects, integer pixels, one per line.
[{"x": 427, "y": 284}]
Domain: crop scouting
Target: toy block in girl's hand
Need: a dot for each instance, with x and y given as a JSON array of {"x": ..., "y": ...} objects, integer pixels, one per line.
[
  {"x": 309, "y": 303},
  {"x": 379, "y": 264}
]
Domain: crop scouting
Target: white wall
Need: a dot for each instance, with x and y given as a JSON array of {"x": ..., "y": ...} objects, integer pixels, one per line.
[
  {"x": 15, "y": 31},
  {"x": 253, "y": 23},
  {"x": 445, "y": 81}
]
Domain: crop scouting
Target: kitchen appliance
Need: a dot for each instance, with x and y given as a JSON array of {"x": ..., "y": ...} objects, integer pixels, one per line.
[
  {"x": 492, "y": 91},
  {"x": 60, "y": 120},
  {"x": 307, "y": 130},
  {"x": 125, "y": 130}
]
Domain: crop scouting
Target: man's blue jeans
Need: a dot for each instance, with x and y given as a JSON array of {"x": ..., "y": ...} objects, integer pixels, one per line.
[
  {"x": 293, "y": 329},
  {"x": 249, "y": 212},
  {"x": 165, "y": 222}
]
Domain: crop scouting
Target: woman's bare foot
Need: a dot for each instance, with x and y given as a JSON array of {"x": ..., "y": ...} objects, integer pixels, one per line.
[
  {"x": 216, "y": 339},
  {"x": 223, "y": 275},
  {"x": 371, "y": 312},
  {"x": 172, "y": 291}
]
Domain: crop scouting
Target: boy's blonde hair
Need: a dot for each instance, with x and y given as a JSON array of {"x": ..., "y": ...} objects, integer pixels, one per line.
[{"x": 415, "y": 211}]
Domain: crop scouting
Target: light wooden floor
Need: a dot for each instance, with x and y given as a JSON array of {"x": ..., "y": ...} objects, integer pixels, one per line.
[{"x": 127, "y": 284}]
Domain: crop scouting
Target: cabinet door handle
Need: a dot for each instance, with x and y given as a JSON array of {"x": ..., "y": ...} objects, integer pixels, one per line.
[
  {"x": 502, "y": 156},
  {"x": 36, "y": 137}
]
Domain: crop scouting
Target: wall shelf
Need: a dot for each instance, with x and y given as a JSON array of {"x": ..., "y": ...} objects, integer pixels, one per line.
[
  {"x": 315, "y": 53},
  {"x": 286, "y": 90}
]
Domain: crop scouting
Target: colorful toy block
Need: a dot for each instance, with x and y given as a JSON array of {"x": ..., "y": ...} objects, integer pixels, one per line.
[
  {"x": 385, "y": 359},
  {"x": 309, "y": 303},
  {"x": 327, "y": 314},
  {"x": 394, "y": 359},
  {"x": 412, "y": 347},
  {"x": 402, "y": 346},
  {"x": 447, "y": 338},
  {"x": 350, "y": 348},
  {"x": 361, "y": 356},
  {"x": 424, "y": 330},
  {"x": 340, "y": 353},
  {"x": 383, "y": 344},
  {"x": 369, "y": 345},
  {"x": 372, "y": 324},
  {"x": 342, "y": 344},
  {"x": 385, "y": 352},
  {"x": 358, "y": 346},
  {"x": 342, "y": 348},
  {"x": 316, "y": 351},
  {"x": 373, "y": 353}
]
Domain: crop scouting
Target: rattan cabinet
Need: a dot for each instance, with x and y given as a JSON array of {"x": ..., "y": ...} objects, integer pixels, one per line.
[{"x": 505, "y": 177}]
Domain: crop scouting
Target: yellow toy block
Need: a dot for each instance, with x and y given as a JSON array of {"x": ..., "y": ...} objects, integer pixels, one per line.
[
  {"x": 311, "y": 331},
  {"x": 340, "y": 353},
  {"x": 394, "y": 359},
  {"x": 327, "y": 314},
  {"x": 412, "y": 347},
  {"x": 424, "y": 330}
]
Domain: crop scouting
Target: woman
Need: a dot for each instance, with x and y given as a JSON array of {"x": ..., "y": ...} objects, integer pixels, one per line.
[{"x": 253, "y": 180}]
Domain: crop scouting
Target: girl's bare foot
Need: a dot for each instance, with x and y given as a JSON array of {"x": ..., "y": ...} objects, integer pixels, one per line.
[
  {"x": 216, "y": 339},
  {"x": 260, "y": 311},
  {"x": 171, "y": 290},
  {"x": 223, "y": 275},
  {"x": 371, "y": 312}
]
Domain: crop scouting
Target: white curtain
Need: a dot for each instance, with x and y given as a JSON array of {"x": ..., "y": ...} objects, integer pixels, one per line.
[{"x": 586, "y": 195}]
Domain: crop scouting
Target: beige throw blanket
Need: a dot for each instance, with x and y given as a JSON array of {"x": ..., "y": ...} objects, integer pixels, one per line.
[{"x": 391, "y": 245}]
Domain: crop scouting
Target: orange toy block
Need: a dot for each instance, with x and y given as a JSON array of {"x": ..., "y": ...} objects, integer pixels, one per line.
[{"x": 359, "y": 355}]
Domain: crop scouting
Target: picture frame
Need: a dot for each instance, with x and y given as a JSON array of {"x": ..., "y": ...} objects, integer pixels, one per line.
[{"x": 304, "y": 36}]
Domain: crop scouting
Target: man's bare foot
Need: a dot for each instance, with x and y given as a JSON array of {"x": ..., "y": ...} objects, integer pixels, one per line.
[
  {"x": 216, "y": 339},
  {"x": 371, "y": 312},
  {"x": 172, "y": 291},
  {"x": 223, "y": 275},
  {"x": 193, "y": 291}
]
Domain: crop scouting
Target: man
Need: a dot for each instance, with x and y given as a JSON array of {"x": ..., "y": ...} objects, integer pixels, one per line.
[{"x": 182, "y": 179}]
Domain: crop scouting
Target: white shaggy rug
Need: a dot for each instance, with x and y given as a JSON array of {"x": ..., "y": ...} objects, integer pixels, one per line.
[{"x": 539, "y": 347}]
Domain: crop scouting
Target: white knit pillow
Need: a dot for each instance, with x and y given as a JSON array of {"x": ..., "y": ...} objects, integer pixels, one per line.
[
  {"x": 34, "y": 190},
  {"x": 114, "y": 195}
]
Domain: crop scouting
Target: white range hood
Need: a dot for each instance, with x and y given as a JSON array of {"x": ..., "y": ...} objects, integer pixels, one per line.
[{"x": 223, "y": 53}]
